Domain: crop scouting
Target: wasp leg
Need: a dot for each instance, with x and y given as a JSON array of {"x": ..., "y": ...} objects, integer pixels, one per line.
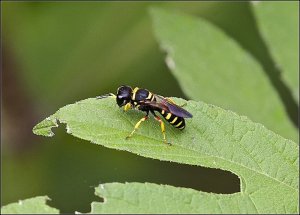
[
  {"x": 137, "y": 125},
  {"x": 172, "y": 101},
  {"x": 106, "y": 96},
  {"x": 127, "y": 106},
  {"x": 163, "y": 130},
  {"x": 184, "y": 104}
]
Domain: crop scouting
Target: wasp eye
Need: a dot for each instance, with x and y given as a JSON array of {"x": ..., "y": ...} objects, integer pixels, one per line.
[{"x": 123, "y": 95}]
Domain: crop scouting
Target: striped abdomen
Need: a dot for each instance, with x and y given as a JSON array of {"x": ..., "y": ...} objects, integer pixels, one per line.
[{"x": 177, "y": 122}]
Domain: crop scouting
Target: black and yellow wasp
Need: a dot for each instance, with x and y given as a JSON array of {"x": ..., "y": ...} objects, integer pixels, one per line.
[{"x": 144, "y": 100}]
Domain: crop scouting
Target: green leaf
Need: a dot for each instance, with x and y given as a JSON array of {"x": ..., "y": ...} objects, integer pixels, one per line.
[
  {"x": 152, "y": 198},
  {"x": 278, "y": 23},
  {"x": 210, "y": 66},
  {"x": 266, "y": 163},
  {"x": 36, "y": 205}
]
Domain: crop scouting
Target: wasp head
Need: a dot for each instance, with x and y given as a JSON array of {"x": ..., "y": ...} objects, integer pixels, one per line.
[{"x": 123, "y": 95}]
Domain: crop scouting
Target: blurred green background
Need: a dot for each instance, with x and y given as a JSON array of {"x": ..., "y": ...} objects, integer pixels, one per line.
[{"x": 56, "y": 53}]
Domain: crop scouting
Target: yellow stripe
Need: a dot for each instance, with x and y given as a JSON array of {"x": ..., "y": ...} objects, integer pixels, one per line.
[
  {"x": 168, "y": 116},
  {"x": 152, "y": 99},
  {"x": 162, "y": 112},
  {"x": 149, "y": 96},
  {"x": 178, "y": 124},
  {"x": 134, "y": 92},
  {"x": 174, "y": 120}
]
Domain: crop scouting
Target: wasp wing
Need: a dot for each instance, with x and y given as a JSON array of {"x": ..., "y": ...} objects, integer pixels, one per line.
[
  {"x": 156, "y": 105},
  {"x": 170, "y": 106},
  {"x": 178, "y": 111}
]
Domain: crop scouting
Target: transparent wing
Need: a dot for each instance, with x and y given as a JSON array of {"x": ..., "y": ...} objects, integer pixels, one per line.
[
  {"x": 155, "y": 104},
  {"x": 173, "y": 108}
]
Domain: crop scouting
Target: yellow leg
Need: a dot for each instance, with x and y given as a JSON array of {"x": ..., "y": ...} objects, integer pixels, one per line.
[
  {"x": 172, "y": 101},
  {"x": 184, "y": 104},
  {"x": 137, "y": 126},
  {"x": 127, "y": 106},
  {"x": 163, "y": 130}
]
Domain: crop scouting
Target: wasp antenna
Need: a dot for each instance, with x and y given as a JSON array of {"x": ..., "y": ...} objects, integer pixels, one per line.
[{"x": 106, "y": 96}]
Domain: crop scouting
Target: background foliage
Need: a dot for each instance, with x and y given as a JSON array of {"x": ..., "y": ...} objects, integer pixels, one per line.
[{"x": 58, "y": 53}]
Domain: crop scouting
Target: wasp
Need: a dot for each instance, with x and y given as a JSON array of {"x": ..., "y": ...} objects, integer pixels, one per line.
[{"x": 144, "y": 100}]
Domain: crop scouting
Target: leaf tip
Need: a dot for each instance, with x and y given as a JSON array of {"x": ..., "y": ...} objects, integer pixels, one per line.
[{"x": 44, "y": 127}]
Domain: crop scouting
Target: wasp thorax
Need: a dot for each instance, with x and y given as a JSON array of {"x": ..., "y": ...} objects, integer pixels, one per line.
[{"x": 123, "y": 95}]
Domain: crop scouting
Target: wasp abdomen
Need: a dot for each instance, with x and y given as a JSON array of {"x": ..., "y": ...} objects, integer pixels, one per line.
[{"x": 177, "y": 122}]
